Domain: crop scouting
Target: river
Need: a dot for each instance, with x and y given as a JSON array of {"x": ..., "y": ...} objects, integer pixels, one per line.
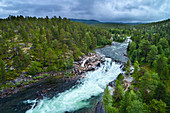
[{"x": 76, "y": 96}]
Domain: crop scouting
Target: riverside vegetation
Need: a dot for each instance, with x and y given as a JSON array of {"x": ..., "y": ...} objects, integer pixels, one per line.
[
  {"x": 150, "y": 89},
  {"x": 29, "y": 46}
]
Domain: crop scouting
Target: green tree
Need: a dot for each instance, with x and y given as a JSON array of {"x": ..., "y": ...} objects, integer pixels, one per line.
[
  {"x": 152, "y": 54},
  {"x": 136, "y": 70},
  {"x": 160, "y": 50},
  {"x": 136, "y": 106},
  {"x": 41, "y": 31},
  {"x": 71, "y": 62},
  {"x": 133, "y": 56},
  {"x": 88, "y": 41},
  {"x": 35, "y": 68},
  {"x": 111, "y": 109},
  {"x": 148, "y": 84},
  {"x": 144, "y": 48},
  {"x": 160, "y": 92},
  {"x": 17, "y": 63},
  {"x": 161, "y": 66},
  {"x": 2, "y": 71},
  {"x": 157, "y": 106},
  {"x": 120, "y": 77},
  {"x": 119, "y": 93},
  {"x": 52, "y": 60},
  {"x": 132, "y": 47},
  {"x": 24, "y": 35},
  {"x": 107, "y": 98},
  {"x": 165, "y": 72},
  {"x": 127, "y": 69},
  {"x": 126, "y": 101},
  {"x": 94, "y": 42},
  {"x": 164, "y": 43}
]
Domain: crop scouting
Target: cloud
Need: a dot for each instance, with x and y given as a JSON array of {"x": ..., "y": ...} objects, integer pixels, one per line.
[{"x": 103, "y": 10}]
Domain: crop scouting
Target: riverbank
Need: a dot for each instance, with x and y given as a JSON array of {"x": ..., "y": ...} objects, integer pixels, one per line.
[
  {"x": 85, "y": 92},
  {"x": 86, "y": 63},
  {"x": 127, "y": 81}
]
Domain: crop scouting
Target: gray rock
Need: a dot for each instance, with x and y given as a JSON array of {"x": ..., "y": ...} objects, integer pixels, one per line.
[
  {"x": 102, "y": 59},
  {"x": 91, "y": 68},
  {"x": 17, "y": 80},
  {"x": 94, "y": 60},
  {"x": 22, "y": 75},
  {"x": 76, "y": 63},
  {"x": 97, "y": 63},
  {"x": 25, "y": 79}
]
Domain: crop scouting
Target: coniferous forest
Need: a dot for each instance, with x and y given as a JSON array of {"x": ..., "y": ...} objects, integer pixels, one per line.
[
  {"x": 30, "y": 45},
  {"x": 84, "y": 56},
  {"x": 150, "y": 89}
]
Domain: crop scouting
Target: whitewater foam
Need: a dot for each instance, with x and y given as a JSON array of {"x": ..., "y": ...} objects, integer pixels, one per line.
[{"x": 77, "y": 97}]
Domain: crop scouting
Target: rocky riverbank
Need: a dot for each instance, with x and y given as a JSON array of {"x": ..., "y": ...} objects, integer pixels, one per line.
[
  {"x": 86, "y": 63},
  {"x": 127, "y": 81}
]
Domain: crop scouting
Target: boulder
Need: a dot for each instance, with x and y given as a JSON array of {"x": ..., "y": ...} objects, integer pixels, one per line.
[
  {"x": 91, "y": 68},
  {"x": 22, "y": 75},
  {"x": 77, "y": 63},
  {"x": 95, "y": 59},
  {"x": 102, "y": 59},
  {"x": 15, "y": 91},
  {"x": 112, "y": 83},
  {"x": 96, "y": 63},
  {"x": 17, "y": 80}
]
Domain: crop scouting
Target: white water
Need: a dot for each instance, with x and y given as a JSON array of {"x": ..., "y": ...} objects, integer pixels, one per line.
[{"x": 76, "y": 97}]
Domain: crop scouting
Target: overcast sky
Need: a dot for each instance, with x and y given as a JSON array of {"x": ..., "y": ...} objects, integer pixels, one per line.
[{"x": 102, "y": 10}]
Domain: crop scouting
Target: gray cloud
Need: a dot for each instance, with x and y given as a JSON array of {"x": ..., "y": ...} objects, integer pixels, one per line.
[{"x": 103, "y": 10}]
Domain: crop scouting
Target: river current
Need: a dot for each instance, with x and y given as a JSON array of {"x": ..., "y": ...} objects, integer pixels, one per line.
[{"x": 78, "y": 96}]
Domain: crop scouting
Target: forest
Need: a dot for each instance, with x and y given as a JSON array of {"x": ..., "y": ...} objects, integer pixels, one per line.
[
  {"x": 150, "y": 89},
  {"x": 30, "y": 45}
]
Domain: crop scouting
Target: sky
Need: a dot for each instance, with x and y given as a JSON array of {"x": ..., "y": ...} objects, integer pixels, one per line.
[{"x": 102, "y": 10}]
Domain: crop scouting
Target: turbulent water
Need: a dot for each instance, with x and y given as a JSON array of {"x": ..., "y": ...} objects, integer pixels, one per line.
[
  {"x": 77, "y": 97},
  {"x": 92, "y": 85},
  {"x": 73, "y": 96},
  {"x": 117, "y": 51}
]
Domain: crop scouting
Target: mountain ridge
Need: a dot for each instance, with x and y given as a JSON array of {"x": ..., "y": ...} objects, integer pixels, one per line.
[{"x": 93, "y": 21}]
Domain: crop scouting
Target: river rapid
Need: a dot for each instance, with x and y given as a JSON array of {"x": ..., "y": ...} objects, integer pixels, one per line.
[{"x": 76, "y": 96}]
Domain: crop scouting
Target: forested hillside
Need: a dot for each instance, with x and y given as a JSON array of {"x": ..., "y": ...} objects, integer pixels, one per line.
[
  {"x": 88, "y": 22},
  {"x": 31, "y": 46},
  {"x": 119, "y": 31},
  {"x": 150, "y": 89}
]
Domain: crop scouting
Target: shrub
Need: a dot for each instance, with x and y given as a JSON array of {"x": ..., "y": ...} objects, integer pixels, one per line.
[
  {"x": 35, "y": 68},
  {"x": 46, "y": 75}
]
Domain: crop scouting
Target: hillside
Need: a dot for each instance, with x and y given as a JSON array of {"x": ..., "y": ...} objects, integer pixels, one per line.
[
  {"x": 30, "y": 46},
  {"x": 148, "y": 53},
  {"x": 89, "y": 22}
]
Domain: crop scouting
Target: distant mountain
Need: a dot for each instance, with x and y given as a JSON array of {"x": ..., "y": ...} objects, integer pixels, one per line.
[
  {"x": 93, "y": 22},
  {"x": 89, "y": 22},
  {"x": 123, "y": 23}
]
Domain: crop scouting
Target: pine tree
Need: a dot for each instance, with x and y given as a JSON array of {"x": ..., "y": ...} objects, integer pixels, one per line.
[
  {"x": 160, "y": 92},
  {"x": 157, "y": 106},
  {"x": 107, "y": 98},
  {"x": 144, "y": 48},
  {"x": 136, "y": 70},
  {"x": 128, "y": 68},
  {"x": 152, "y": 55},
  {"x": 136, "y": 106},
  {"x": 35, "y": 68},
  {"x": 2, "y": 71},
  {"x": 161, "y": 66}
]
